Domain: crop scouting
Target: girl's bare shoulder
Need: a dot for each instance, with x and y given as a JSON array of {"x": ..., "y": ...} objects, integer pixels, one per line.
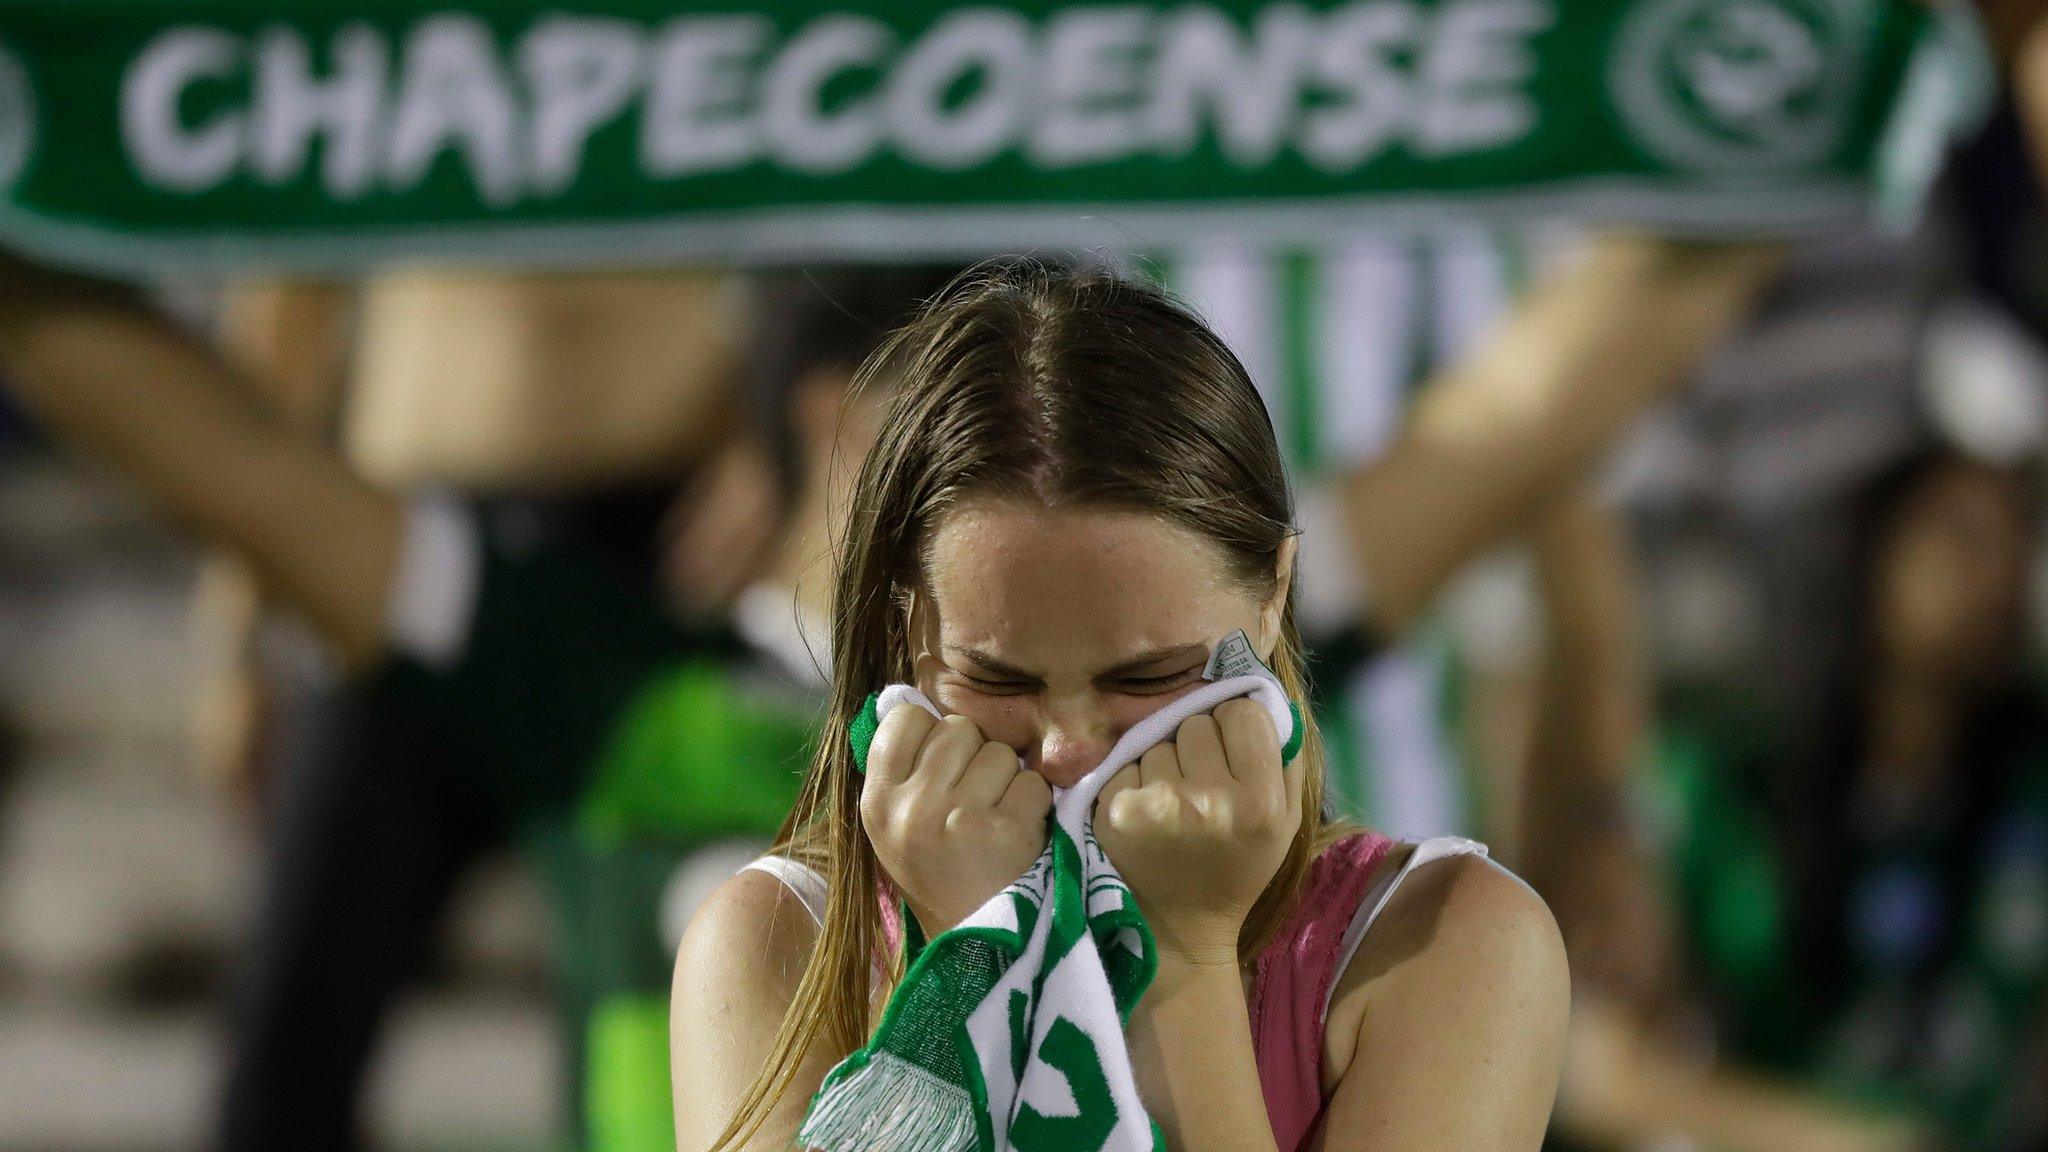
[
  {"x": 1460, "y": 935},
  {"x": 752, "y": 933},
  {"x": 737, "y": 972}
]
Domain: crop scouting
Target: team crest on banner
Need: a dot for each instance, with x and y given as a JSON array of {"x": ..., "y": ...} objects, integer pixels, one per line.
[{"x": 1728, "y": 86}]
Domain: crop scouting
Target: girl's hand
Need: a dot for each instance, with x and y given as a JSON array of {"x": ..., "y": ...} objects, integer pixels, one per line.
[
  {"x": 1199, "y": 825},
  {"x": 951, "y": 817}
]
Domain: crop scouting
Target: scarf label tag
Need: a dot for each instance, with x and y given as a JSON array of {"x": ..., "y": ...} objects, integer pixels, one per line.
[{"x": 1235, "y": 656}]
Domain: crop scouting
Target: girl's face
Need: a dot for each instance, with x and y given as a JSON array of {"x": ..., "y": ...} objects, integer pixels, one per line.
[{"x": 1057, "y": 630}]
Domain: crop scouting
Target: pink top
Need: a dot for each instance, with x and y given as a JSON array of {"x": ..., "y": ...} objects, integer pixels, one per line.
[{"x": 1292, "y": 981}]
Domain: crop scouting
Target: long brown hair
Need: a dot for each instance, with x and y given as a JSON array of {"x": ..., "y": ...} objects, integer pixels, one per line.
[{"x": 1069, "y": 389}]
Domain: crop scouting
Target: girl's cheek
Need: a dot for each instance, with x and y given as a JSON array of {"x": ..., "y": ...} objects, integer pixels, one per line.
[
  {"x": 1125, "y": 710},
  {"x": 1005, "y": 719}
]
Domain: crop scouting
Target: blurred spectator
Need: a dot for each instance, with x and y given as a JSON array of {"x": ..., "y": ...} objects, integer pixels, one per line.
[
  {"x": 532, "y": 680},
  {"x": 1871, "y": 920},
  {"x": 565, "y": 406}
]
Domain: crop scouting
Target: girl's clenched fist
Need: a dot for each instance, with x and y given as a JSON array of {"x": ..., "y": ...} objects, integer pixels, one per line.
[
  {"x": 950, "y": 816},
  {"x": 1200, "y": 824}
]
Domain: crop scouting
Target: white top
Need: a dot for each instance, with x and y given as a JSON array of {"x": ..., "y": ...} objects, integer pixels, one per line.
[{"x": 436, "y": 581}]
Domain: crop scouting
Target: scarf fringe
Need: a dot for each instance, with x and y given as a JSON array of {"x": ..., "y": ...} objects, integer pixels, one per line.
[{"x": 890, "y": 1103}]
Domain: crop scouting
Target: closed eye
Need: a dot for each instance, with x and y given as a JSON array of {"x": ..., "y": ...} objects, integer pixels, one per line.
[
  {"x": 1004, "y": 687},
  {"x": 1156, "y": 683}
]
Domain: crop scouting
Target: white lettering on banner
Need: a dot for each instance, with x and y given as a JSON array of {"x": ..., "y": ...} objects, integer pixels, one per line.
[
  {"x": 168, "y": 153},
  {"x": 990, "y": 44},
  {"x": 290, "y": 109},
  {"x": 583, "y": 72},
  {"x": 1371, "y": 96},
  {"x": 1474, "y": 69},
  {"x": 1205, "y": 71},
  {"x": 454, "y": 94},
  {"x": 800, "y": 132},
  {"x": 1091, "y": 84},
  {"x": 696, "y": 114}
]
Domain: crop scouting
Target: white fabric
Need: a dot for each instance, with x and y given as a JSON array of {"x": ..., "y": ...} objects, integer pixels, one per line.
[
  {"x": 1233, "y": 286},
  {"x": 1473, "y": 291},
  {"x": 436, "y": 581},
  {"x": 805, "y": 882},
  {"x": 1365, "y": 330},
  {"x": 1433, "y": 849},
  {"x": 1413, "y": 770},
  {"x": 768, "y": 617}
]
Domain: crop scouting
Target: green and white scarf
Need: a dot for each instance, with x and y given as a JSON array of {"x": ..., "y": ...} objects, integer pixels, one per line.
[{"x": 1007, "y": 1031}]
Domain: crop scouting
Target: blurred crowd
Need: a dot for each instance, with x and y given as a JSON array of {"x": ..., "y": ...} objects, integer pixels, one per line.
[{"x": 1700, "y": 580}]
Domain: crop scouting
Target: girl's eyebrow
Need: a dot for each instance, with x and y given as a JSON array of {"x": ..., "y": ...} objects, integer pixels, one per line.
[{"x": 1142, "y": 661}]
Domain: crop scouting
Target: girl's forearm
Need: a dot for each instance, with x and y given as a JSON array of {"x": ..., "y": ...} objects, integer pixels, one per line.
[{"x": 1191, "y": 1048}]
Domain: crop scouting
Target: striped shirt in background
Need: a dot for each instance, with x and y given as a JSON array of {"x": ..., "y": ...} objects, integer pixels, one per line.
[{"x": 1339, "y": 339}]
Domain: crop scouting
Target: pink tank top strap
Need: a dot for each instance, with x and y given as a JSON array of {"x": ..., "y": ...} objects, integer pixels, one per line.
[{"x": 1292, "y": 980}]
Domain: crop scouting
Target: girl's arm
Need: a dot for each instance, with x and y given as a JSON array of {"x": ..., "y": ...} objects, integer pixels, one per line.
[
  {"x": 736, "y": 975},
  {"x": 1450, "y": 1022},
  {"x": 1191, "y": 1051},
  {"x": 288, "y": 338},
  {"x": 1447, "y": 1030}
]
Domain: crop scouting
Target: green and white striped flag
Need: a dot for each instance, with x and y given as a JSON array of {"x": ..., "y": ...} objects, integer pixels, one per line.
[{"x": 1007, "y": 1031}]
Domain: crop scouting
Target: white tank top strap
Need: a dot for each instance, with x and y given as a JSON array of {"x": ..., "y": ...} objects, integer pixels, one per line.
[
  {"x": 1426, "y": 852},
  {"x": 803, "y": 881}
]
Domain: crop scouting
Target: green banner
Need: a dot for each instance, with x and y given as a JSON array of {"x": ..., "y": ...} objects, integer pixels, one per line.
[{"x": 141, "y": 135}]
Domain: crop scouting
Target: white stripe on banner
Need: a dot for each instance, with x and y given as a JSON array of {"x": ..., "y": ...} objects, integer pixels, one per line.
[
  {"x": 1413, "y": 794},
  {"x": 1472, "y": 290},
  {"x": 1365, "y": 334},
  {"x": 1233, "y": 286}
]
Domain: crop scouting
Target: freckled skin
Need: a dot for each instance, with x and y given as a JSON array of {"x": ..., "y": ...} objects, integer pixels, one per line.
[{"x": 1068, "y": 596}]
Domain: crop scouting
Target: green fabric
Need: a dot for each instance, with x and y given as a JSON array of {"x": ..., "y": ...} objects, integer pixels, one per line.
[
  {"x": 629, "y": 1104},
  {"x": 696, "y": 755},
  {"x": 221, "y": 134},
  {"x": 1299, "y": 287},
  {"x": 1292, "y": 748},
  {"x": 862, "y": 731},
  {"x": 608, "y": 946},
  {"x": 922, "y": 1084}
]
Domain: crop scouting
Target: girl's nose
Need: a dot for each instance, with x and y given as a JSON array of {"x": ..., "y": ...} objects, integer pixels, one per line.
[{"x": 1067, "y": 752}]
